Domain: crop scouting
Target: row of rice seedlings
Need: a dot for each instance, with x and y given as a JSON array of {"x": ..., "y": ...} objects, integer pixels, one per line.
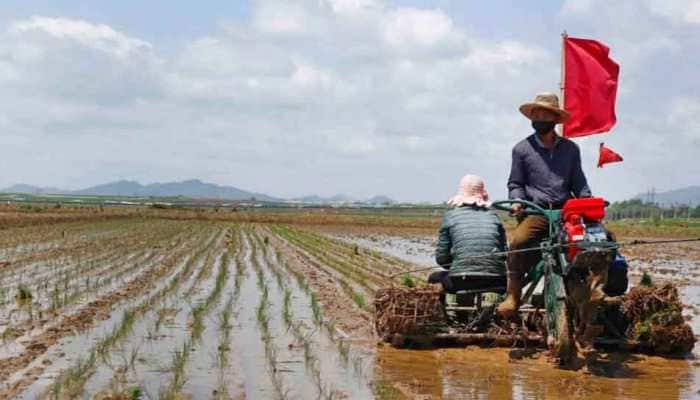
[
  {"x": 185, "y": 273},
  {"x": 376, "y": 269},
  {"x": 66, "y": 293},
  {"x": 303, "y": 336},
  {"x": 206, "y": 269},
  {"x": 37, "y": 298},
  {"x": 75, "y": 280},
  {"x": 342, "y": 346},
  {"x": 63, "y": 294},
  {"x": 177, "y": 381},
  {"x": 69, "y": 384},
  {"x": 92, "y": 282},
  {"x": 85, "y": 247},
  {"x": 40, "y": 283},
  {"x": 340, "y": 261},
  {"x": 27, "y": 238},
  {"x": 263, "y": 318},
  {"x": 373, "y": 262},
  {"x": 311, "y": 362},
  {"x": 179, "y": 362},
  {"x": 224, "y": 347},
  {"x": 31, "y": 240},
  {"x": 351, "y": 271},
  {"x": 201, "y": 309},
  {"x": 225, "y": 323},
  {"x": 357, "y": 297},
  {"x": 335, "y": 249},
  {"x": 120, "y": 388}
]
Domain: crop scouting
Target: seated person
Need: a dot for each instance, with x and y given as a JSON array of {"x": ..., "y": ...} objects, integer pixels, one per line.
[{"x": 470, "y": 229}]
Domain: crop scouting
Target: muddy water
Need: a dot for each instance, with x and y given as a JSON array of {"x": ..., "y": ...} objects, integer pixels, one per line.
[
  {"x": 248, "y": 349},
  {"x": 202, "y": 371},
  {"x": 339, "y": 377},
  {"x": 498, "y": 373},
  {"x": 68, "y": 350},
  {"x": 417, "y": 249},
  {"x": 503, "y": 373}
]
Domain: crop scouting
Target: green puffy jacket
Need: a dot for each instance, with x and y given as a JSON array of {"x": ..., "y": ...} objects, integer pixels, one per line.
[{"x": 468, "y": 231}]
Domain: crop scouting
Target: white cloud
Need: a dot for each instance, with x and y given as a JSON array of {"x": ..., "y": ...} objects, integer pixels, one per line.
[
  {"x": 408, "y": 27},
  {"x": 361, "y": 95},
  {"x": 687, "y": 11},
  {"x": 684, "y": 117},
  {"x": 96, "y": 36},
  {"x": 353, "y": 7},
  {"x": 281, "y": 17}
]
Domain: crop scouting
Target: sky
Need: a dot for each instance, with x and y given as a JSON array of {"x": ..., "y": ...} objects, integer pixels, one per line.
[{"x": 361, "y": 97}]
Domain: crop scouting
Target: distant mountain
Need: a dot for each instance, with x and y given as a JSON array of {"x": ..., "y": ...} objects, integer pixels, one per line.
[
  {"x": 343, "y": 199},
  {"x": 686, "y": 195},
  {"x": 379, "y": 200},
  {"x": 191, "y": 188},
  {"x": 30, "y": 189},
  {"x": 315, "y": 199}
]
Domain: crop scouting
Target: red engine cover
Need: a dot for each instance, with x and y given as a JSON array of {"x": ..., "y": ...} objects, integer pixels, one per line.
[
  {"x": 589, "y": 208},
  {"x": 575, "y": 214}
]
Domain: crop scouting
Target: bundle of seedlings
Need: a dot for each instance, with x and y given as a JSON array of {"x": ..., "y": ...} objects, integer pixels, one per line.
[
  {"x": 655, "y": 320},
  {"x": 404, "y": 310}
]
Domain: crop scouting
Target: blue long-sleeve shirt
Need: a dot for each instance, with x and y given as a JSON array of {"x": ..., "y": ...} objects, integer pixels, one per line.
[{"x": 547, "y": 177}]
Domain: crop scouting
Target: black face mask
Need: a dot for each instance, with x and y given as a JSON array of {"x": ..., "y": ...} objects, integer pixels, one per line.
[{"x": 543, "y": 127}]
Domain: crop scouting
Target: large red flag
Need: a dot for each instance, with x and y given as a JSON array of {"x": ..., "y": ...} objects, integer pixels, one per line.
[
  {"x": 590, "y": 87},
  {"x": 607, "y": 156}
]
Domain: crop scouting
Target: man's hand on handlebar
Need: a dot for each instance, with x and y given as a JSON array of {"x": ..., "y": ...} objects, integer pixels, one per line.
[{"x": 516, "y": 209}]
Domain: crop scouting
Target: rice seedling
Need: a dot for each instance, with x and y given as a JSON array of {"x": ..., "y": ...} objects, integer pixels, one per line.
[
  {"x": 177, "y": 369},
  {"x": 201, "y": 309},
  {"x": 68, "y": 383},
  {"x": 408, "y": 281},
  {"x": 24, "y": 294},
  {"x": 286, "y": 304}
]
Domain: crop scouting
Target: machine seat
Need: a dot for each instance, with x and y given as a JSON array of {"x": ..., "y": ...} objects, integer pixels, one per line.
[{"x": 468, "y": 284}]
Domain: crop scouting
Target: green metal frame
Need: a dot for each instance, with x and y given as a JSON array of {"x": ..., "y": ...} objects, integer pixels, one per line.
[{"x": 553, "y": 267}]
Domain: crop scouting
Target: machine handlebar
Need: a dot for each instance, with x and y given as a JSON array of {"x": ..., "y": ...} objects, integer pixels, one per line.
[{"x": 529, "y": 208}]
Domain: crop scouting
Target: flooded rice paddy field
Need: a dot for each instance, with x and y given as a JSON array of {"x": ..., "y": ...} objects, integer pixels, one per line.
[
  {"x": 186, "y": 309},
  {"x": 177, "y": 309}
]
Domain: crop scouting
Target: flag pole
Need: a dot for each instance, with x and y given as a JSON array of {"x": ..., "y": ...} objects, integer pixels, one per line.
[{"x": 563, "y": 75}]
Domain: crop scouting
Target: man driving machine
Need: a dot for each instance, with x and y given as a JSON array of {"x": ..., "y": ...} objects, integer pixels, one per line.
[{"x": 546, "y": 170}]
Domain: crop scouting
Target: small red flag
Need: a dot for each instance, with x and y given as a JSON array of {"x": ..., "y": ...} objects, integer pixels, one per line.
[
  {"x": 607, "y": 156},
  {"x": 590, "y": 87}
]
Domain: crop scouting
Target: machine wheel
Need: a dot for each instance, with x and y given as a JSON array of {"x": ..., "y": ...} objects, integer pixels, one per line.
[
  {"x": 560, "y": 338},
  {"x": 564, "y": 348}
]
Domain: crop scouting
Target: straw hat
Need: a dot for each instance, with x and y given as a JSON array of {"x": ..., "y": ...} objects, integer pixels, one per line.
[
  {"x": 471, "y": 191},
  {"x": 548, "y": 101}
]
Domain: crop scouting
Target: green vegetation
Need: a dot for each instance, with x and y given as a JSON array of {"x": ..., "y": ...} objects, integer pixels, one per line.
[
  {"x": 637, "y": 209},
  {"x": 24, "y": 294},
  {"x": 408, "y": 281}
]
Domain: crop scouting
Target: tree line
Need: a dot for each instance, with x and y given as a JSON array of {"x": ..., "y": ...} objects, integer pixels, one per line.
[{"x": 637, "y": 209}]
